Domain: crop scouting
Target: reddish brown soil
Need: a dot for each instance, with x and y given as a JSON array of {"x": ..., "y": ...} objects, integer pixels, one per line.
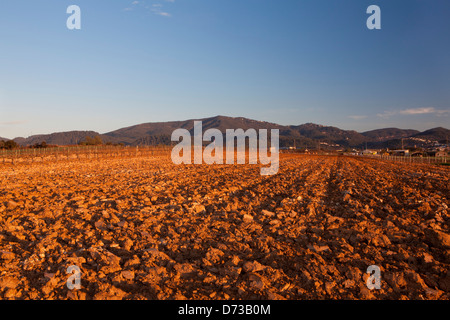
[{"x": 147, "y": 229}]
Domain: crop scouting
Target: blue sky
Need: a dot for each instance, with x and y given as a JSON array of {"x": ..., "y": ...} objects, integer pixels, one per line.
[{"x": 283, "y": 61}]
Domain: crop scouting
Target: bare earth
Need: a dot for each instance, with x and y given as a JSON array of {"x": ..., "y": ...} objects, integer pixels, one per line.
[{"x": 143, "y": 228}]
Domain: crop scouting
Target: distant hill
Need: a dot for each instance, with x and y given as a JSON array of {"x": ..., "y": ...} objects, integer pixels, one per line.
[
  {"x": 381, "y": 135},
  {"x": 58, "y": 138},
  {"x": 329, "y": 135},
  {"x": 307, "y": 135},
  {"x": 440, "y": 134},
  {"x": 428, "y": 138},
  {"x": 141, "y": 132}
]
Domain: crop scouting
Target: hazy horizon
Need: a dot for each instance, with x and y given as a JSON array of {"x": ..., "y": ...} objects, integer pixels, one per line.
[{"x": 288, "y": 63}]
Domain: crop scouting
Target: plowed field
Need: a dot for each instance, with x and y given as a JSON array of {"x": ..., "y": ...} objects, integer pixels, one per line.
[{"x": 141, "y": 228}]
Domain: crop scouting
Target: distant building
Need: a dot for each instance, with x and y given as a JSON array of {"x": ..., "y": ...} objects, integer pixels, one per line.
[
  {"x": 404, "y": 152},
  {"x": 441, "y": 154},
  {"x": 368, "y": 152}
]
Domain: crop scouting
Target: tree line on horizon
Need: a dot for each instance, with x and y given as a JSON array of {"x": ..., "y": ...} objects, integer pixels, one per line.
[
  {"x": 11, "y": 144},
  {"x": 8, "y": 145},
  {"x": 88, "y": 141}
]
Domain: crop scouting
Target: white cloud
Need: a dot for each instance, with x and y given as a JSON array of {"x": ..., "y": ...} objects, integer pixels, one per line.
[
  {"x": 413, "y": 111},
  {"x": 157, "y": 9},
  {"x": 133, "y": 4},
  {"x": 164, "y": 14},
  {"x": 386, "y": 114},
  {"x": 427, "y": 110}
]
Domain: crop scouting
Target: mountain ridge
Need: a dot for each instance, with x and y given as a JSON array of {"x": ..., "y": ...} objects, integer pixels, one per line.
[{"x": 307, "y": 135}]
